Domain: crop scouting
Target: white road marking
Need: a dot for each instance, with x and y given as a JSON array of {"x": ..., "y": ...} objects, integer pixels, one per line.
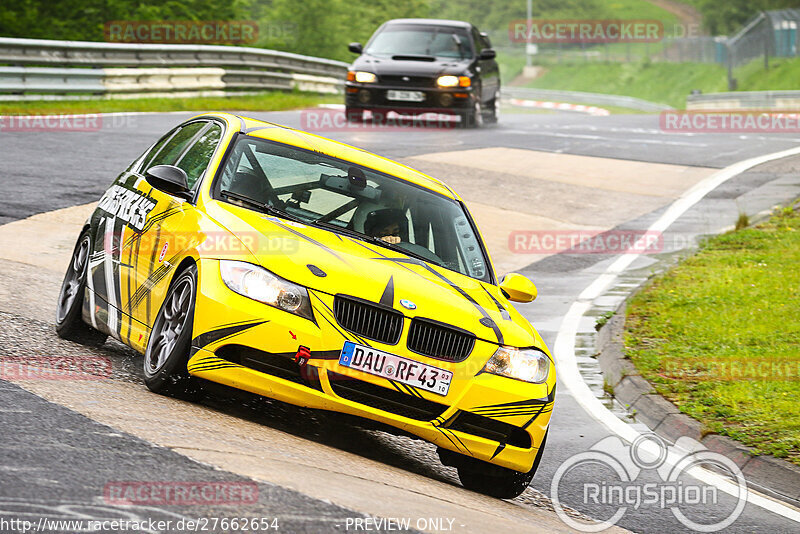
[{"x": 564, "y": 347}]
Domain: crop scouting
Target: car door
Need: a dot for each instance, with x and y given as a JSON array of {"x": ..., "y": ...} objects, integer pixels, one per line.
[
  {"x": 490, "y": 72},
  {"x": 147, "y": 250}
]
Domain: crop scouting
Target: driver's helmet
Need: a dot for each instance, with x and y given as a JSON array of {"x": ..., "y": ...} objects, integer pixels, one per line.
[{"x": 383, "y": 222}]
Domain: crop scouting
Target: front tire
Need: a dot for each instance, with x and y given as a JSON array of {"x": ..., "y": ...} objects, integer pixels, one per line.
[
  {"x": 489, "y": 479},
  {"x": 69, "y": 321},
  {"x": 472, "y": 118},
  {"x": 168, "y": 347}
]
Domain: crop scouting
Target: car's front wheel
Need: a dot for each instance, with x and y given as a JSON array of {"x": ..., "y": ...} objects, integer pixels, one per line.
[
  {"x": 168, "y": 347},
  {"x": 69, "y": 323},
  {"x": 490, "y": 479},
  {"x": 472, "y": 118}
]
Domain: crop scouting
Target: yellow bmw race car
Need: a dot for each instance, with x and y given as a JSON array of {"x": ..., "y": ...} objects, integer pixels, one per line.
[{"x": 294, "y": 267}]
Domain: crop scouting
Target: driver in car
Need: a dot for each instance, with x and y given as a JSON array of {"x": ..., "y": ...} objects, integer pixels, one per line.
[{"x": 385, "y": 225}]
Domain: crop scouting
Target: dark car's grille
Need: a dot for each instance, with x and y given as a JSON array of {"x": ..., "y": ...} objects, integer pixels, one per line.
[
  {"x": 493, "y": 429},
  {"x": 385, "y": 399},
  {"x": 368, "y": 320},
  {"x": 439, "y": 341},
  {"x": 410, "y": 81}
]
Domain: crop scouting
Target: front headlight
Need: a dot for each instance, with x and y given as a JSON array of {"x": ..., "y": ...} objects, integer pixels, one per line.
[
  {"x": 259, "y": 284},
  {"x": 453, "y": 81},
  {"x": 365, "y": 77},
  {"x": 528, "y": 365}
]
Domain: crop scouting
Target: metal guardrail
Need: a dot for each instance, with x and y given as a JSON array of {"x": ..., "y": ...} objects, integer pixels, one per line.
[
  {"x": 577, "y": 97},
  {"x": 755, "y": 100},
  {"x": 69, "y": 67}
]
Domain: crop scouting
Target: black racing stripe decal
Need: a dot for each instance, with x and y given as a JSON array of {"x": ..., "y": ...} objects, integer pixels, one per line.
[
  {"x": 503, "y": 312},
  {"x": 533, "y": 418},
  {"x": 381, "y": 256},
  {"x": 213, "y": 367},
  {"x": 154, "y": 279},
  {"x": 310, "y": 240},
  {"x": 448, "y": 437},
  {"x": 459, "y": 440},
  {"x": 206, "y": 338},
  {"x": 497, "y": 332},
  {"x": 498, "y": 450},
  {"x": 529, "y": 402},
  {"x": 150, "y": 269},
  {"x": 131, "y": 273},
  {"x": 169, "y": 212},
  {"x": 395, "y": 385},
  {"x": 387, "y": 298}
]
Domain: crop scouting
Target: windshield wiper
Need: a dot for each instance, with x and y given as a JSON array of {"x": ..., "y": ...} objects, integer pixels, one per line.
[
  {"x": 261, "y": 206},
  {"x": 372, "y": 239}
]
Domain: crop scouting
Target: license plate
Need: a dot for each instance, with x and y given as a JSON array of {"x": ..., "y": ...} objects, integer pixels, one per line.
[
  {"x": 396, "y": 368},
  {"x": 406, "y": 96}
]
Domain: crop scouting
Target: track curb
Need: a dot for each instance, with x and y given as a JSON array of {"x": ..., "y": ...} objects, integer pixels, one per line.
[{"x": 772, "y": 476}]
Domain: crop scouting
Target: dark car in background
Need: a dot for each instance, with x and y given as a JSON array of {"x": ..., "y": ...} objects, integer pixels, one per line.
[{"x": 414, "y": 66}]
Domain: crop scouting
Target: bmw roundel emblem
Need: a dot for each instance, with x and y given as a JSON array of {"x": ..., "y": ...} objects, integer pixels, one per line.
[{"x": 408, "y": 304}]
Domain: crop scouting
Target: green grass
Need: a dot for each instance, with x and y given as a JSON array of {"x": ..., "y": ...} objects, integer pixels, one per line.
[
  {"x": 667, "y": 83},
  {"x": 698, "y": 332},
  {"x": 268, "y": 101}
]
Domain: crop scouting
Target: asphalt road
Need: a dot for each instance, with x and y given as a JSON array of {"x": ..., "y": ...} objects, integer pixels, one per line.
[{"x": 55, "y": 455}]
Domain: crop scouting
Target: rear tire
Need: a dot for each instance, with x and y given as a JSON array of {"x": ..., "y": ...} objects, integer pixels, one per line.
[
  {"x": 168, "y": 347},
  {"x": 489, "y": 479},
  {"x": 69, "y": 320}
]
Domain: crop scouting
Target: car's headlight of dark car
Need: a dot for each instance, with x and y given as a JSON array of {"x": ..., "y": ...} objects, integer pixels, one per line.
[
  {"x": 259, "y": 284},
  {"x": 449, "y": 80},
  {"x": 361, "y": 76},
  {"x": 528, "y": 365}
]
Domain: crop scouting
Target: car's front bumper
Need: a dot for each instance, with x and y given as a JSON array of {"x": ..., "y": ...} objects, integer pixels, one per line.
[
  {"x": 375, "y": 96},
  {"x": 251, "y": 346}
]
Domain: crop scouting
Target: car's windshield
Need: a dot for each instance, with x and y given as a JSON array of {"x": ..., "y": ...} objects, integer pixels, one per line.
[
  {"x": 344, "y": 197},
  {"x": 419, "y": 40}
]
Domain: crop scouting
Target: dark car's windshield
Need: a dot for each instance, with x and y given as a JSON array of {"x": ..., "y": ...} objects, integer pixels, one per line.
[
  {"x": 421, "y": 40},
  {"x": 355, "y": 200}
]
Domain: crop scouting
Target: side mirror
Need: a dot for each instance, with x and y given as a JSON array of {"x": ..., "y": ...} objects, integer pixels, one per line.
[
  {"x": 169, "y": 179},
  {"x": 518, "y": 288},
  {"x": 355, "y": 48},
  {"x": 487, "y": 53}
]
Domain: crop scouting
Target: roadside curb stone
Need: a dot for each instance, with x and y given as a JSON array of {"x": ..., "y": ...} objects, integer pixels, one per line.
[{"x": 770, "y": 475}]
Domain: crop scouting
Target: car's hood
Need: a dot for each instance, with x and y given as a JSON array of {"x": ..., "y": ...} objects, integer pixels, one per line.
[
  {"x": 332, "y": 263},
  {"x": 388, "y": 66}
]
